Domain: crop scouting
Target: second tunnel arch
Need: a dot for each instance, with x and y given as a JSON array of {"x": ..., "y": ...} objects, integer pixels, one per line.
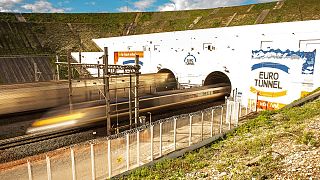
[{"x": 217, "y": 77}]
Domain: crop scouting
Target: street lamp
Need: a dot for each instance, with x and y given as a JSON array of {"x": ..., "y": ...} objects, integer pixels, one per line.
[{"x": 149, "y": 116}]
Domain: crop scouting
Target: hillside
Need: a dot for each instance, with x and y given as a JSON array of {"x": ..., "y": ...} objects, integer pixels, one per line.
[
  {"x": 34, "y": 33},
  {"x": 282, "y": 144}
]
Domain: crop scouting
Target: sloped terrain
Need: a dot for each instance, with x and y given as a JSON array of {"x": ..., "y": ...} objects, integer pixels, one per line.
[
  {"x": 283, "y": 144},
  {"x": 25, "y": 69},
  {"x": 56, "y": 33}
]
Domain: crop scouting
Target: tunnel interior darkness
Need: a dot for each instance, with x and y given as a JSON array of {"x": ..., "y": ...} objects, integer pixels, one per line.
[
  {"x": 215, "y": 78},
  {"x": 171, "y": 81}
]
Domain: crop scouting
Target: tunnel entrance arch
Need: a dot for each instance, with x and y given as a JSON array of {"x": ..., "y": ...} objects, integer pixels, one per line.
[
  {"x": 171, "y": 81},
  {"x": 217, "y": 77}
]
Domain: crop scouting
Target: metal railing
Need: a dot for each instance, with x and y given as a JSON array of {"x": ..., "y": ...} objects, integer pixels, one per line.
[{"x": 107, "y": 157}]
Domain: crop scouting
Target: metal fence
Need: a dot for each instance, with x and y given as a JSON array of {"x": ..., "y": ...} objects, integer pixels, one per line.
[{"x": 107, "y": 157}]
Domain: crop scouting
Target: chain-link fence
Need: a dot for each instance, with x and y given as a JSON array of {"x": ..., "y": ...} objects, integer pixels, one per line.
[{"x": 107, "y": 157}]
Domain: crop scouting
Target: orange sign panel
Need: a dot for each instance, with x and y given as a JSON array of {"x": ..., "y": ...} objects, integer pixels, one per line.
[
  {"x": 269, "y": 105},
  {"x": 127, "y": 54}
]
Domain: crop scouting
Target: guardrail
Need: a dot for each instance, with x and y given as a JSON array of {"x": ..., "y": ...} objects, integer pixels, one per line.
[{"x": 111, "y": 156}]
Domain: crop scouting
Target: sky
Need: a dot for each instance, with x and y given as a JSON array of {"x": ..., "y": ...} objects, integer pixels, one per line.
[{"x": 113, "y": 6}]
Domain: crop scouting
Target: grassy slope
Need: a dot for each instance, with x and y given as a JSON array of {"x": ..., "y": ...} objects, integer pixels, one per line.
[
  {"x": 256, "y": 149},
  {"x": 56, "y": 37}
]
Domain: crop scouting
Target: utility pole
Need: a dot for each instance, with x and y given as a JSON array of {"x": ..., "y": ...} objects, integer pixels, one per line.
[
  {"x": 98, "y": 70},
  {"x": 106, "y": 77},
  {"x": 107, "y": 71},
  {"x": 57, "y": 67},
  {"x": 136, "y": 91},
  {"x": 80, "y": 41},
  {"x": 130, "y": 99},
  {"x": 80, "y": 58},
  {"x": 69, "y": 79}
]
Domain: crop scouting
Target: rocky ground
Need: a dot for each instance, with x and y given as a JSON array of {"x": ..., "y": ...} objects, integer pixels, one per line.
[
  {"x": 295, "y": 161},
  {"x": 282, "y": 144},
  {"x": 295, "y": 158}
]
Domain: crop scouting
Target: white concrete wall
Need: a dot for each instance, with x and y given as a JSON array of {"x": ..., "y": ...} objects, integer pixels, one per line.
[
  {"x": 89, "y": 58},
  {"x": 233, "y": 50}
]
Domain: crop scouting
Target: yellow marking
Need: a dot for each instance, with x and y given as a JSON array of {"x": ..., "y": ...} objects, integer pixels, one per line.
[
  {"x": 119, "y": 159},
  {"x": 304, "y": 94},
  {"x": 58, "y": 119},
  {"x": 268, "y": 94},
  {"x": 130, "y": 53}
]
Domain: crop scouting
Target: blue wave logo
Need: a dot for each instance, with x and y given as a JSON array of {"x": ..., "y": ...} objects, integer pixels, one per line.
[
  {"x": 271, "y": 65},
  {"x": 131, "y": 62}
]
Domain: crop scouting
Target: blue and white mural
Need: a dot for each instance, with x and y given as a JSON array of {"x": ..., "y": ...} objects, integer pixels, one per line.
[
  {"x": 276, "y": 72},
  {"x": 307, "y": 57}
]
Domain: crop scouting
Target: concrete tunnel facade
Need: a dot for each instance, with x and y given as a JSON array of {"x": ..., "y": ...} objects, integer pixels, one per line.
[{"x": 277, "y": 61}]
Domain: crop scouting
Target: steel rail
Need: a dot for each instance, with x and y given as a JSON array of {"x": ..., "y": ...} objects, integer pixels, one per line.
[
  {"x": 32, "y": 138},
  {"x": 46, "y": 135}
]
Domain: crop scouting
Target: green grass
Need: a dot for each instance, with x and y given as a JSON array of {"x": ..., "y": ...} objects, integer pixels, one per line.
[
  {"x": 56, "y": 36},
  {"x": 7, "y": 17},
  {"x": 235, "y": 152},
  {"x": 80, "y": 18}
]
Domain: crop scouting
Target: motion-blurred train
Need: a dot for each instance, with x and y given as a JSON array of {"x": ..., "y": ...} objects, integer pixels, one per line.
[
  {"x": 43, "y": 95},
  {"x": 82, "y": 116}
]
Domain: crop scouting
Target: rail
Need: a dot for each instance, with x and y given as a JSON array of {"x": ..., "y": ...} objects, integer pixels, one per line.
[
  {"x": 111, "y": 156},
  {"x": 31, "y": 138}
]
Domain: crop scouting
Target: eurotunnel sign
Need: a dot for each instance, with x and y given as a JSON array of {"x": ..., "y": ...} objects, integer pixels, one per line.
[
  {"x": 275, "y": 74},
  {"x": 268, "y": 79},
  {"x": 269, "y": 76},
  {"x": 190, "y": 60}
]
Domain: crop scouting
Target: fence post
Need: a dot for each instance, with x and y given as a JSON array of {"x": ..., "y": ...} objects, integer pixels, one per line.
[
  {"x": 240, "y": 110},
  {"x": 48, "y": 168},
  {"x": 109, "y": 159},
  {"x": 237, "y": 117},
  {"x": 212, "y": 118},
  {"x": 227, "y": 110},
  {"x": 128, "y": 151},
  {"x": 190, "y": 130},
  {"x": 160, "y": 139},
  {"x": 231, "y": 111},
  {"x": 93, "y": 175},
  {"x": 247, "y": 109},
  {"x": 202, "y": 116},
  {"x": 221, "y": 119},
  {"x": 138, "y": 148},
  {"x": 151, "y": 141},
  {"x": 73, "y": 166},
  {"x": 29, "y": 170},
  {"x": 174, "y": 134}
]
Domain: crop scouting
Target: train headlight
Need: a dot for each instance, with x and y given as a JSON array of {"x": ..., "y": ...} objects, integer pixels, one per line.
[{"x": 58, "y": 119}]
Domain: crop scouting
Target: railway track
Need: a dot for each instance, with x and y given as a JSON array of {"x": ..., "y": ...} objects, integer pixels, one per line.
[
  {"x": 34, "y": 138},
  {"x": 29, "y": 145},
  {"x": 174, "y": 101},
  {"x": 31, "y": 138}
]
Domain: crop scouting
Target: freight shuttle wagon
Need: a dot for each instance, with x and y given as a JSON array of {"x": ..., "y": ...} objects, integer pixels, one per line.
[{"x": 276, "y": 62}]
